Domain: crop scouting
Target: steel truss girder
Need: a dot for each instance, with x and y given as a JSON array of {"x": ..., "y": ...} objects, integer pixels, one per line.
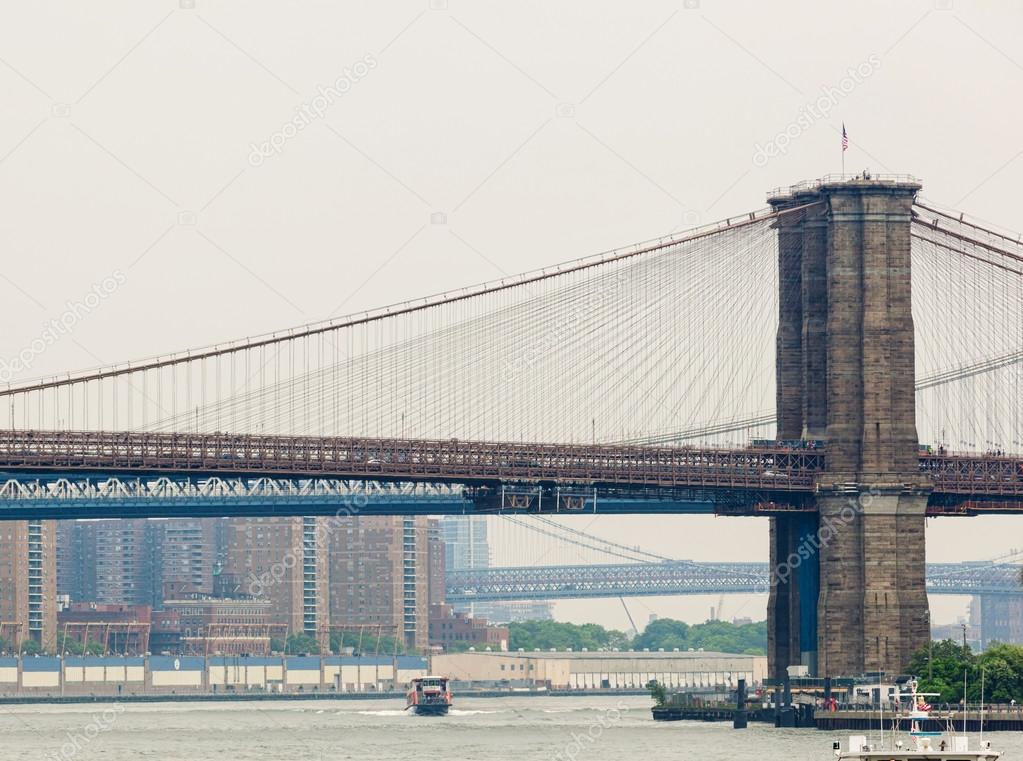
[{"x": 683, "y": 578}]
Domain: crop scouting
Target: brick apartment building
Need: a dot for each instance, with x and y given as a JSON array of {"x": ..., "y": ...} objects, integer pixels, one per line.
[
  {"x": 435, "y": 552},
  {"x": 28, "y": 583},
  {"x": 283, "y": 561},
  {"x": 379, "y": 575}
]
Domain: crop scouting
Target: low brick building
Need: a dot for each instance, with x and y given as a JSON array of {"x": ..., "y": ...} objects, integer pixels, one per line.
[
  {"x": 210, "y": 626},
  {"x": 116, "y": 627},
  {"x": 448, "y": 627}
]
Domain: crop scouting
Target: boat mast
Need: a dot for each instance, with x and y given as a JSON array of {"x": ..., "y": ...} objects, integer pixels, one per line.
[
  {"x": 880, "y": 702},
  {"x": 982, "y": 706},
  {"x": 965, "y": 673}
]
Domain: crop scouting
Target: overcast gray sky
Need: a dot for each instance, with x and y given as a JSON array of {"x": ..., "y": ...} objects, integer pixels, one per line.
[{"x": 481, "y": 138}]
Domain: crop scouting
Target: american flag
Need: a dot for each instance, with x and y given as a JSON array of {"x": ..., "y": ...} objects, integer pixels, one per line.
[
  {"x": 923, "y": 706},
  {"x": 845, "y": 138}
]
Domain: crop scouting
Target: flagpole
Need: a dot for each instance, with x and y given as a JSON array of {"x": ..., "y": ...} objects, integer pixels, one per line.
[{"x": 845, "y": 145}]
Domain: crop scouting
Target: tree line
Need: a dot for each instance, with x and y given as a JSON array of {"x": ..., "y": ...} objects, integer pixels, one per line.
[
  {"x": 942, "y": 666},
  {"x": 666, "y": 633}
]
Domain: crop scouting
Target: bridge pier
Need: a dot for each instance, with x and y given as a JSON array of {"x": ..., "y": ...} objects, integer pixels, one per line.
[
  {"x": 793, "y": 596},
  {"x": 872, "y": 610},
  {"x": 845, "y": 374}
]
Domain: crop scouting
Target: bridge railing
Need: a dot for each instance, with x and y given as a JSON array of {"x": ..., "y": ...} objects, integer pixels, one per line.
[
  {"x": 980, "y": 474},
  {"x": 433, "y": 460},
  {"x": 830, "y": 179}
]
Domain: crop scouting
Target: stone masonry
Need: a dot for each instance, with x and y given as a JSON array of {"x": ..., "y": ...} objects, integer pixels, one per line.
[{"x": 845, "y": 373}]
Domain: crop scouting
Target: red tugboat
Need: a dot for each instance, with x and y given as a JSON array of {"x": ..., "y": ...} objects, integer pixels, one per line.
[{"x": 429, "y": 696}]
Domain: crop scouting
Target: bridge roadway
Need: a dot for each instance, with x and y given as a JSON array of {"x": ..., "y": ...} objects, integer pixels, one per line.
[
  {"x": 685, "y": 578},
  {"x": 504, "y": 475}
]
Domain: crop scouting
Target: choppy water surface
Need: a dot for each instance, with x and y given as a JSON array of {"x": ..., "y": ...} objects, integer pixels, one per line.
[{"x": 493, "y": 729}]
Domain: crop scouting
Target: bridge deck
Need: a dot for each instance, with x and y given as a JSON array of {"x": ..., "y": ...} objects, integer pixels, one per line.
[
  {"x": 469, "y": 462},
  {"x": 763, "y": 470}
]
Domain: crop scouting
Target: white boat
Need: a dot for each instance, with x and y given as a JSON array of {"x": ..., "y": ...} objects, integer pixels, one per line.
[
  {"x": 919, "y": 742},
  {"x": 955, "y": 748}
]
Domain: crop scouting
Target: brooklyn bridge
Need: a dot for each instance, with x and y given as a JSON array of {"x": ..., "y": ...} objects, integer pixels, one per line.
[{"x": 845, "y": 362}]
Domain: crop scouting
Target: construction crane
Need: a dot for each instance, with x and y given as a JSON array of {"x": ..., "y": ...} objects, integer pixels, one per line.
[{"x": 632, "y": 623}]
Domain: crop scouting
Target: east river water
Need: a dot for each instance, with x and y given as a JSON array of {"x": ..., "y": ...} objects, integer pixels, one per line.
[{"x": 491, "y": 729}]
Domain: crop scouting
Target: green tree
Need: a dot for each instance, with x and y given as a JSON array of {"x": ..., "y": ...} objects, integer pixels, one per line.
[
  {"x": 31, "y": 647},
  {"x": 68, "y": 645},
  {"x": 658, "y": 692},
  {"x": 73, "y": 647},
  {"x": 664, "y": 632},
  {"x": 1001, "y": 682},
  {"x": 368, "y": 644},
  {"x": 302, "y": 643},
  {"x": 1002, "y": 667},
  {"x": 544, "y": 635},
  {"x": 940, "y": 667},
  {"x": 461, "y": 647},
  {"x": 719, "y": 636}
]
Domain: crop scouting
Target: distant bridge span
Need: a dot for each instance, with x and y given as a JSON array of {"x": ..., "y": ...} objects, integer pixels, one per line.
[{"x": 686, "y": 578}]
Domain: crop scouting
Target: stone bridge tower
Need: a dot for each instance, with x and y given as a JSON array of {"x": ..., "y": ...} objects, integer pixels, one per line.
[{"x": 848, "y": 591}]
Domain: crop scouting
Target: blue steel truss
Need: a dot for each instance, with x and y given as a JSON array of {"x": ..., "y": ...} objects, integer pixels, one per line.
[
  {"x": 70, "y": 495},
  {"x": 686, "y": 578}
]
